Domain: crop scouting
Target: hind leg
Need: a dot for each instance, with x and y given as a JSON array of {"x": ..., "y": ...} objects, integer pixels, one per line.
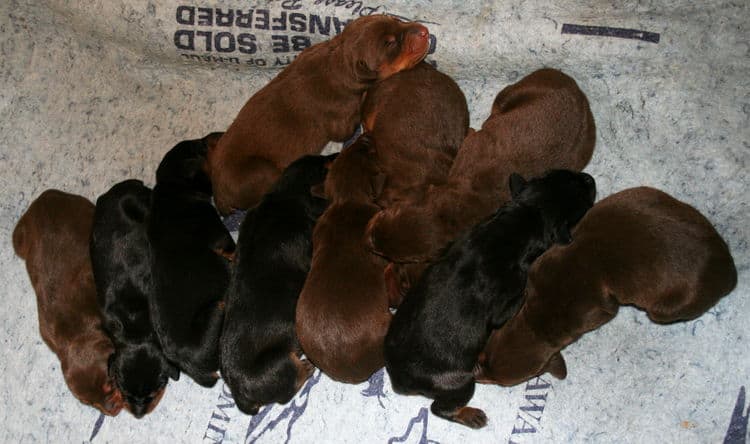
[
  {"x": 451, "y": 405},
  {"x": 305, "y": 369}
]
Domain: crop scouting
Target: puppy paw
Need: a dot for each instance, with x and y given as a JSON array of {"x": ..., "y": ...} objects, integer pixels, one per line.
[{"x": 471, "y": 417}]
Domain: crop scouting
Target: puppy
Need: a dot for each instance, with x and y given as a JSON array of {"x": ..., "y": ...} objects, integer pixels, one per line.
[
  {"x": 542, "y": 122},
  {"x": 314, "y": 100},
  {"x": 342, "y": 312},
  {"x": 418, "y": 118},
  {"x": 637, "y": 247},
  {"x": 190, "y": 249},
  {"x": 441, "y": 327},
  {"x": 260, "y": 355},
  {"x": 53, "y": 238},
  {"x": 121, "y": 263}
]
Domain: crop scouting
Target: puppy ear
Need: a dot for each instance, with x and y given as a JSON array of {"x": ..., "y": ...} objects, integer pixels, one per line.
[
  {"x": 378, "y": 183},
  {"x": 110, "y": 361},
  {"x": 556, "y": 366},
  {"x": 133, "y": 210},
  {"x": 562, "y": 234},
  {"x": 517, "y": 184},
  {"x": 364, "y": 73}
]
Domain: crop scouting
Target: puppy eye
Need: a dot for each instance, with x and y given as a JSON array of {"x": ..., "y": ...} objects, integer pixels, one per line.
[{"x": 390, "y": 40}]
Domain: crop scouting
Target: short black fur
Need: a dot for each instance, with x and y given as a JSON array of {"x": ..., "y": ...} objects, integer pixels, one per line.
[
  {"x": 120, "y": 258},
  {"x": 190, "y": 248},
  {"x": 260, "y": 353},
  {"x": 445, "y": 320}
]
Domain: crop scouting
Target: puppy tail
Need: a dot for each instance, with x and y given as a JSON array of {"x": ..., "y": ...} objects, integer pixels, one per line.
[{"x": 19, "y": 238}]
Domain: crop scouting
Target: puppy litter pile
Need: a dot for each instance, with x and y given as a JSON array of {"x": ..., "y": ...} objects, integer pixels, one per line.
[{"x": 97, "y": 92}]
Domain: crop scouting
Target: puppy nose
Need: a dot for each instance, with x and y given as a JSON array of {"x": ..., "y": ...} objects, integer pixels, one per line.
[{"x": 421, "y": 31}]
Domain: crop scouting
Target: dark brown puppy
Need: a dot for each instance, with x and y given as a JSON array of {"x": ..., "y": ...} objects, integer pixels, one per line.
[
  {"x": 53, "y": 238},
  {"x": 638, "y": 247},
  {"x": 542, "y": 122},
  {"x": 190, "y": 248},
  {"x": 314, "y": 100},
  {"x": 342, "y": 311},
  {"x": 418, "y": 118}
]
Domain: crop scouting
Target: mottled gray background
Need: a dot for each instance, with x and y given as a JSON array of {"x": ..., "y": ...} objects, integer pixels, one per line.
[{"x": 94, "y": 92}]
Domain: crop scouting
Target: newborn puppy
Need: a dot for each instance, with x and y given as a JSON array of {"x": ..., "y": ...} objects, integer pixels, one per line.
[
  {"x": 122, "y": 271},
  {"x": 418, "y": 118},
  {"x": 542, "y": 122},
  {"x": 260, "y": 355},
  {"x": 441, "y": 327},
  {"x": 314, "y": 100},
  {"x": 638, "y": 247},
  {"x": 342, "y": 312},
  {"x": 190, "y": 249},
  {"x": 53, "y": 238}
]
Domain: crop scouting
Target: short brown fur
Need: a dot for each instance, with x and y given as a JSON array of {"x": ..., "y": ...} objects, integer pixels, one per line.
[
  {"x": 638, "y": 247},
  {"x": 342, "y": 313},
  {"x": 316, "y": 99},
  {"x": 53, "y": 238},
  {"x": 542, "y": 122}
]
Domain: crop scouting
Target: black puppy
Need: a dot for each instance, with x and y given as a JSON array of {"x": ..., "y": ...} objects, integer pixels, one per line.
[
  {"x": 260, "y": 354},
  {"x": 190, "y": 248},
  {"x": 122, "y": 272},
  {"x": 443, "y": 324}
]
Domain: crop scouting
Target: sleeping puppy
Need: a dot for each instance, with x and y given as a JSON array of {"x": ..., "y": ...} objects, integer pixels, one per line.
[
  {"x": 190, "y": 249},
  {"x": 314, "y": 100},
  {"x": 542, "y": 122},
  {"x": 122, "y": 271},
  {"x": 441, "y": 327},
  {"x": 418, "y": 118},
  {"x": 342, "y": 312},
  {"x": 260, "y": 355},
  {"x": 53, "y": 238},
  {"x": 637, "y": 247}
]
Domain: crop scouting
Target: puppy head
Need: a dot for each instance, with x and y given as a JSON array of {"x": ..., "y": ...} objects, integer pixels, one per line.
[
  {"x": 403, "y": 234},
  {"x": 562, "y": 196},
  {"x": 304, "y": 173},
  {"x": 88, "y": 378},
  {"x": 355, "y": 175},
  {"x": 141, "y": 373},
  {"x": 185, "y": 165},
  {"x": 379, "y": 46}
]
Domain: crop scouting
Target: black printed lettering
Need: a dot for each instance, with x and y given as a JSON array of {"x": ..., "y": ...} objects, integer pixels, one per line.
[
  {"x": 297, "y": 22},
  {"x": 525, "y": 426},
  {"x": 246, "y": 43},
  {"x": 185, "y": 15},
  {"x": 244, "y": 20},
  {"x": 324, "y": 28},
  {"x": 300, "y": 42},
  {"x": 279, "y": 23},
  {"x": 280, "y": 43},
  {"x": 207, "y": 37},
  {"x": 534, "y": 407},
  {"x": 184, "y": 40},
  {"x": 261, "y": 18},
  {"x": 205, "y": 16},
  {"x": 224, "y": 18},
  {"x": 224, "y": 42}
]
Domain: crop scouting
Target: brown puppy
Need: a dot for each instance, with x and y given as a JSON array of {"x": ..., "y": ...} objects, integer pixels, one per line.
[
  {"x": 314, "y": 100},
  {"x": 542, "y": 122},
  {"x": 418, "y": 118},
  {"x": 342, "y": 312},
  {"x": 53, "y": 238},
  {"x": 638, "y": 247}
]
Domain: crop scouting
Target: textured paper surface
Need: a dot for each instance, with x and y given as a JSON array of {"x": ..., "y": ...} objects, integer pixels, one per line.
[{"x": 94, "y": 92}]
